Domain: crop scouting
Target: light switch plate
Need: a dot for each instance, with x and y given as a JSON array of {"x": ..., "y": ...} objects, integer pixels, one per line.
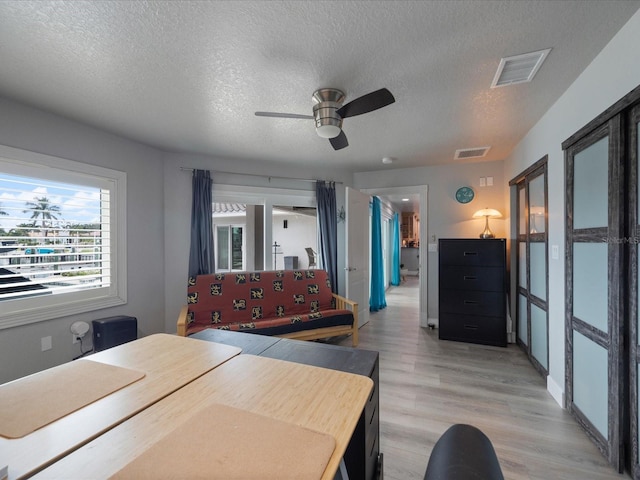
[
  {"x": 555, "y": 252},
  {"x": 433, "y": 247},
  {"x": 489, "y": 181}
]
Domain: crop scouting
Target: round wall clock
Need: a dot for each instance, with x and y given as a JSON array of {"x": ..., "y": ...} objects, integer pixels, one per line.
[{"x": 464, "y": 194}]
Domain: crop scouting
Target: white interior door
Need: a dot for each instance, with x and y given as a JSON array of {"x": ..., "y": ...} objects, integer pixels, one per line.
[{"x": 357, "y": 249}]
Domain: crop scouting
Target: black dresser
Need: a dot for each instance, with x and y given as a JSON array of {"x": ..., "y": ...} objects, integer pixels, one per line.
[
  {"x": 472, "y": 291},
  {"x": 363, "y": 458}
]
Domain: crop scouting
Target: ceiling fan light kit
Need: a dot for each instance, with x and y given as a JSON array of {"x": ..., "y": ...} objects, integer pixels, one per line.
[
  {"x": 327, "y": 102},
  {"x": 328, "y": 112}
]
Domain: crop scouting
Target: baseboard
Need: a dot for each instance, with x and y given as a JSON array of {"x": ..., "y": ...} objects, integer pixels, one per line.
[
  {"x": 555, "y": 391},
  {"x": 430, "y": 323}
]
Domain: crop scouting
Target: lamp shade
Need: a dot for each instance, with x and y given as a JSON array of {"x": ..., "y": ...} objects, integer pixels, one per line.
[
  {"x": 539, "y": 211},
  {"x": 487, "y": 212}
]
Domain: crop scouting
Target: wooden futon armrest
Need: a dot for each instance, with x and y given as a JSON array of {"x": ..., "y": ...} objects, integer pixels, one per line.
[
  {"x": 343, "y": 303},
  {"x": 182, "y": 321}
]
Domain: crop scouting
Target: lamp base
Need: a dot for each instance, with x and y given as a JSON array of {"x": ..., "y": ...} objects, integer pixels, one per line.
[{"x": 487, "y": 233}]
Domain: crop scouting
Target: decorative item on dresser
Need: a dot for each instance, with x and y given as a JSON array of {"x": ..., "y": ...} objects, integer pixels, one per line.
[
  {"x": 486, "y": 213},
  {"x": 472, "y": 291}
]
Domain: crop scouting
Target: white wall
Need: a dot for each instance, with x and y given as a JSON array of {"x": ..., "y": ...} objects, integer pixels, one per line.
[
  {"x": 446, "y": 218},
  {"x": 613, "y": 74},
  {"x": 301, "y": 232},
  {"x": 31, "y": 129}
]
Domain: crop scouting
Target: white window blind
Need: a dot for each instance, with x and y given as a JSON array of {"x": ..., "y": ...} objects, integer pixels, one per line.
[
  {"x": 59, "y": 232},
  {"x": 54, "y": 236}
]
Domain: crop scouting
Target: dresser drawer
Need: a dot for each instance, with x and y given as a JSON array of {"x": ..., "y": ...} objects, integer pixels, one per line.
[
  {"x": 471, "y": 328},
  {"x": 472, "y": 278},
  {"x": 372, "y": 433},
  {"x": 472, "y": 252},
  {"x": 472, "y": 302}
]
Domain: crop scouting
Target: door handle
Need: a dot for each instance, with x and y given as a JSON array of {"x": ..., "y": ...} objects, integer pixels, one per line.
[{"x": 350, "y": 269}]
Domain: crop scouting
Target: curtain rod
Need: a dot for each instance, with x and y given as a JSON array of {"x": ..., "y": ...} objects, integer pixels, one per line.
[{"x": 269, "y": 177}]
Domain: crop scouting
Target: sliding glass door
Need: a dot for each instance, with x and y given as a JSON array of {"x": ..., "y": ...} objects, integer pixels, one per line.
[{"x": 229, "y": 247}]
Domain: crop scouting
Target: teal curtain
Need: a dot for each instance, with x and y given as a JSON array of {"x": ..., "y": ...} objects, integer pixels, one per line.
[
  {"x": 395, "y": 250},
  {"x": 377, "y": 299}
]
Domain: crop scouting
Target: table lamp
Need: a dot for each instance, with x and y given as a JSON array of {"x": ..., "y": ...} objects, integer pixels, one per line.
[{"x": 486, "y": 213}]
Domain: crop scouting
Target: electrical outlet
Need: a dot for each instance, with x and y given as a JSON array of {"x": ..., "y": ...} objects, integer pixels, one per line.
[
  {"x": 76, "y": 338},
  {"x": 45, "y": 343}
]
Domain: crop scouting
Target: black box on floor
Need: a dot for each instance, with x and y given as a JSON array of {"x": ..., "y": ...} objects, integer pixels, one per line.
[{"x": 112, "y": 331}]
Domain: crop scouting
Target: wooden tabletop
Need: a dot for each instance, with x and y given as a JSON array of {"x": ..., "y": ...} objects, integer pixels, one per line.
[
  {"x": 168, "y": 361},
  {"x": 324, "y": 400}
]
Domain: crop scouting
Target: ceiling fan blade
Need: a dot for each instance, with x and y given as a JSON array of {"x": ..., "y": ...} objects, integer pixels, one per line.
[
  {"x": 283, "y": 115},
  {"x": 340, "y": 141},
  {"x": 367, "y": 103}
]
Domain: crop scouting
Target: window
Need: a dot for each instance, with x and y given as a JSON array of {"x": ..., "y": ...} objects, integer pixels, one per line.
[
  {"x": 229, "y": 248},
  {"x": 257, "y": 214},
  {"x": 62, "y": 237}
]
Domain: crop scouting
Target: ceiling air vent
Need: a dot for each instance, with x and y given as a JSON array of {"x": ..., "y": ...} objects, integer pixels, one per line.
[
  {"x": 519, "y": 68},
  {"x": 465, "y": 153}
]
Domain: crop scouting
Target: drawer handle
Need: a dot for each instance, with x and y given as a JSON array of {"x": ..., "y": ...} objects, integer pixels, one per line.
[
  {"x": 470, "y": 302},
  {"x": 466, "y": 254},
  {"x": 470, "y": 277},
  {"x": 373, "y": 447},
  {"x": 471, "y": 327}
]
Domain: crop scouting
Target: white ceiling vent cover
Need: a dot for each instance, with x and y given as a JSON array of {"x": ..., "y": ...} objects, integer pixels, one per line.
[
  {"x": 465, "y": 153},
  {"x": 519, "y": 68}
]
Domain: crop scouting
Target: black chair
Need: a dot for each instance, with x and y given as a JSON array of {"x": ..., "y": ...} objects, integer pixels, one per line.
[
  {"x": 463, "y": 452},
  {"x": 312, "y": 256}
]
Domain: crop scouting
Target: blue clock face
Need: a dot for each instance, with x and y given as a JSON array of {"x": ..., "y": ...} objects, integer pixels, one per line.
[{"x": 464, "y": 194}]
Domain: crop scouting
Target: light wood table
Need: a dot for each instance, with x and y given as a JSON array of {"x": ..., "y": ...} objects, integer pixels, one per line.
[
  {"x": 324, "y": 400},
  {"x": 168, "y": 361}
]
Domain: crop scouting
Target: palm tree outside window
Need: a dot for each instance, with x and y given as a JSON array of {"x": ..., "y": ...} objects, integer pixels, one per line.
[{"x": 43, "y": 209}]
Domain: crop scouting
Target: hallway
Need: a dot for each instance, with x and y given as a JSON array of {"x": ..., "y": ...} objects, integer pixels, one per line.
[{"x": 426, "y": 385}]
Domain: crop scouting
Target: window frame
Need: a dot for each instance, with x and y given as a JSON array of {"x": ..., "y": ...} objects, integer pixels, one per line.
[{"x": 35, "y": 309}]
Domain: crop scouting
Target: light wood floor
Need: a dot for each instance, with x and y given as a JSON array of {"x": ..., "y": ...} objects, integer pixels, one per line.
[{"x": 427, "y": 385}]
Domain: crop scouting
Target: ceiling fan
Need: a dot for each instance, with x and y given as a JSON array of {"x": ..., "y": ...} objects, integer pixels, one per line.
[{"x": 328, "y": 112}]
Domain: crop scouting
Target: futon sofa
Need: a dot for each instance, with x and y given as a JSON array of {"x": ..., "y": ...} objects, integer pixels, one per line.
[{"x": 285, "y": 303}]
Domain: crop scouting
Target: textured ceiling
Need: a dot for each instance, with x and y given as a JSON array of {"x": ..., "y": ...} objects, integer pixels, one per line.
[{"x": 189, "y": 75}]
